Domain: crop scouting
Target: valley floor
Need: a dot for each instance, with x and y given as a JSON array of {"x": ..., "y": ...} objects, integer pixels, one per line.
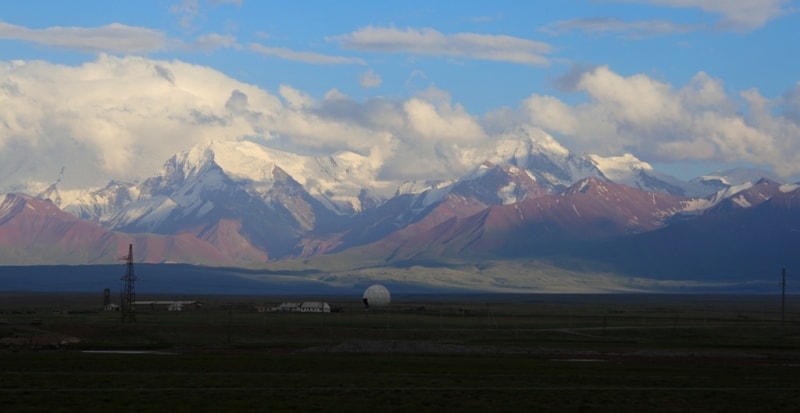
[{"x": 478, "y": 353}]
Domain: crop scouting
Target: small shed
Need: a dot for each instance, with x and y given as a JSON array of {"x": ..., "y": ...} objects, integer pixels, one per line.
[
  {"x": 304, "y": 307},
  {"x": 111, "y": 307},
  {"x": 289, "y": 307},
  {"x": 315, "y": 307}
]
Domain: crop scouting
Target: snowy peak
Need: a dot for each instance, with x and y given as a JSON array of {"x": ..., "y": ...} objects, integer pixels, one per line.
[
  {"x": 517, "y": 147},
  {"x": 549, "y": 163},
  {"x": 340, "y": 181},
  {"x": 789, "y": 188},
  {"x": 620, "y": 168},
  {"x": 736, "y": 176},
  {"x": 591, "y": 186},
  {"x": 731, "y": 178},
  {"x": 21, "y": 204},
  {"x": 624, "y": 197},
  {"x": 788, "y": 197},
  {"x": 97, "y": 204},
  {"x": 499, "y": 184},
  {"x": 12, "y": 205},
  {"x": 745, "y": 196},
  {"x": 592, "y": 209},
  {"x": 631, "y": 171}
]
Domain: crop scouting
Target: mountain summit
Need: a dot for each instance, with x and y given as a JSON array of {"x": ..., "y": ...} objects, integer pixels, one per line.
[{"x": 240, "y": 203}]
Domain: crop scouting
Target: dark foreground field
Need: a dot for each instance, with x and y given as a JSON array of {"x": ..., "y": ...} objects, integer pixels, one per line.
[{"x": 491, "y": 353}]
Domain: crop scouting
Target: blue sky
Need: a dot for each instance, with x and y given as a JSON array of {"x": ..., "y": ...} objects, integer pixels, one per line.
[{"x": 686, "y": 85}]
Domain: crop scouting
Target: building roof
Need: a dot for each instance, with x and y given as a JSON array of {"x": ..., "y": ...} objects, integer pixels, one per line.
[{"x": 170, "y": 302}]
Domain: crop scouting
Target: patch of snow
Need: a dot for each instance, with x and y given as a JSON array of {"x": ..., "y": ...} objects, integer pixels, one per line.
[
  {"x": 519, "y": 213},
  {"x": 620, "y": 169},
  {"x": 534, "y": 150},
  {"x": 720, "y": 178},
  {"x": 506, "y": 194},
  {"x": 435, "y": 194},
  {"x": 336, "y": 179},
  {"x": 145, "y": 213},
  {"x": 741, "y": 201},
  {"x": 789, "y": 188},
  {"x": 582, "y": 186},
  {"x": 738, "y": 176},
  {"x": 204, "y": 209},
  {"x": 697, "y": 205}
]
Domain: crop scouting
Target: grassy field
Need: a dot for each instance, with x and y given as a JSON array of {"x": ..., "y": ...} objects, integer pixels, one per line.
[{"x": 449, "y": 353}]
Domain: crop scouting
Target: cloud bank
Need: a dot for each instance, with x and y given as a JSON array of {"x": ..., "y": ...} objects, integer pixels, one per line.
[
  {"x": 662, "y": 123},
  {"x": 122, "y": 118}
]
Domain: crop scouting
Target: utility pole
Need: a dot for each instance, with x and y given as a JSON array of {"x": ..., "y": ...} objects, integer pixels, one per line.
[
  {"x": 230, "y": 322},
  {"x": 783, "y": 297},
  {"x": 129, "y": 289}
]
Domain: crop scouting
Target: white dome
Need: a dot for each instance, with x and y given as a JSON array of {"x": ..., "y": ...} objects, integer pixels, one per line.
[{"x": 377, "y": 295}]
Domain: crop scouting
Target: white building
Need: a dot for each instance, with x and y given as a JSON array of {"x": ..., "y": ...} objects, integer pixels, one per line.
[
  {"x": 171, "y": 305},
  {"x": 315, "y": 307},
  {"x": 110, "y": 307},
  {"x": 305, "y": 307}
]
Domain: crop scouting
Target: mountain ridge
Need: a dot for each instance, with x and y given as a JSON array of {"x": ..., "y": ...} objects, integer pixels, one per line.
[{"x": 238, "y": 203}]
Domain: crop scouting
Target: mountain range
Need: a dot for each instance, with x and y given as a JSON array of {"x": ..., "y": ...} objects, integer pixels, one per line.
[{"x": 531, "y": 202}]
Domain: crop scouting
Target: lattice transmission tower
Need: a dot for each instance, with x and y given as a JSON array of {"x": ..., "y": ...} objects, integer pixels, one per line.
[{"x": 129, "y": 289}]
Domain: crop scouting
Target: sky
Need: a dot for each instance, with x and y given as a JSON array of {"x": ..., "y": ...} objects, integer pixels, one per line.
[{"x": 95, "y": 91}]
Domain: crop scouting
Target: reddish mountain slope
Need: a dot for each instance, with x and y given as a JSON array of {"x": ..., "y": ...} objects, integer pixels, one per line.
[
  {"x": 590, "y": 210},
  {"x": 761, "y": 191},
  {"x": 742, "y": 243},
  {"x": 34, "y": 231}
]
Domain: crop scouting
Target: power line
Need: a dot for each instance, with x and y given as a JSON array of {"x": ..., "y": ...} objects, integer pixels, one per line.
[{"x": 129, "y": 289}]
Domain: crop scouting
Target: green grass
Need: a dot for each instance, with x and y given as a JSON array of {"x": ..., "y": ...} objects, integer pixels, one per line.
[
  {"x": 579, "y": 353},
  {"x": 389, "y": 382}
]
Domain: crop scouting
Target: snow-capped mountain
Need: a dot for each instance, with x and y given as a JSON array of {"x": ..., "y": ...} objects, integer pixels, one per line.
[
  {"x": 556, "y": 168},
  {"x": 591, "y": 209},
  {"x": 342, "y": 182},
  {"x": 346, "y": 183},
  {"x": 250, "y": 203},
  {"x": 35, "y": 232},
  {"x": 96, "y": 203},
  {"x": 629, "y": 170},
  {"x": 732, "y": 177},
  {"x": 550, "y": 164}
]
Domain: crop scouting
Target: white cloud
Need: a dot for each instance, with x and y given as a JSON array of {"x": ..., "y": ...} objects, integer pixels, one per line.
[
  {"x": 370, "y": 79},
  {"x": 187, "y": 11},
  {"x": 122, "y": 118},
  {"x": 112, "y": 38},
  {"x": 431, "y": 42},
  {"x": 213, "y": 41},
  {"x": 442, "y": 121},
  {"x": 552, "y": 114},
  {"x": 295, "y": 98},
  {"x": 631, "y": 29},
  {"x": 737, "y": 15},
  {"x": 637, "y": 100},
  {"x": 305, "y": 57},
  {"x": 113, "y": 118},
  {"x": 661, "y": 123}
]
